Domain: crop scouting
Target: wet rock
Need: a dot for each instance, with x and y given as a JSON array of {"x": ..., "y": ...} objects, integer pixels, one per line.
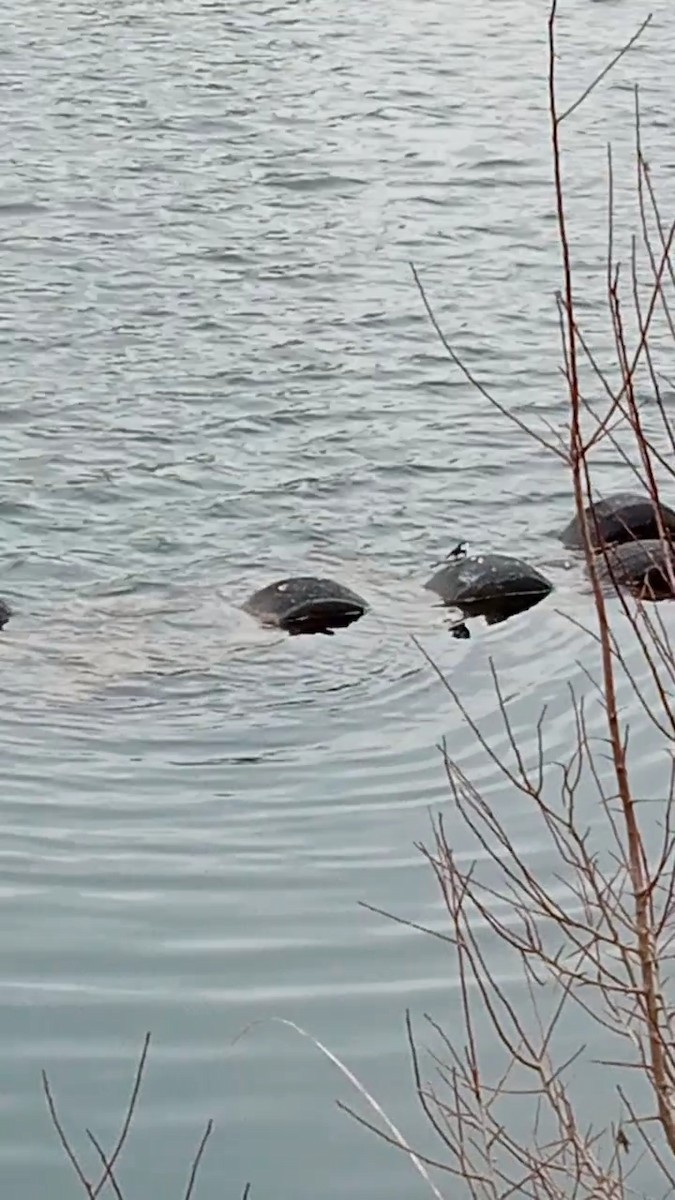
[
  {"x": 494, "y": 586},
  {"x": 622, "y": 517},
  {"x": 642, "y": 567},
  {"x": 306, "y": 604}
]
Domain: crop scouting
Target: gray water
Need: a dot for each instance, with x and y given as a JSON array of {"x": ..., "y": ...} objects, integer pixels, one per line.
[{"x": 216, "y": 370}]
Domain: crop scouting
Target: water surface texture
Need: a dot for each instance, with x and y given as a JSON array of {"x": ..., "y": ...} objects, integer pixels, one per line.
[{"x": 215, "y": 371}]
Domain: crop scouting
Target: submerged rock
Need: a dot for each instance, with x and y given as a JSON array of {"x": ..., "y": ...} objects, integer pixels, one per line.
[
  {"x": 623, "y": 517},
  {"x": 5, "y": 613},
  {"x": 494, "y": 586},
  {"x": 642, "y": 567},
  {"x": 306, "y": 604}
]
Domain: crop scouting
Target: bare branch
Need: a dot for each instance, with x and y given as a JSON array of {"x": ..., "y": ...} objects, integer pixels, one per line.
[
  {"x": 108, "y": 1167},
  {"x": 606, "y": 69},
  {"x": 197, "y": 1159},
  {"x": 126, "y": 1125},
  {"x": 72, "y": 1157}
]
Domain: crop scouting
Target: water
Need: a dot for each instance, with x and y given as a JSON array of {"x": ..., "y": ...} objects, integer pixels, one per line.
[{"x": 216, "y": 370}]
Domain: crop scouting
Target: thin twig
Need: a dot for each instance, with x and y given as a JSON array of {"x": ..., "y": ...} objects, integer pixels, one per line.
[
  {"x": 468, "y": 374},
  {"x": 605, "y": 70},
  {"x": 72, "y": 1157},
  {"x": 109, "y": 1173},
  {"x": 126, "y": 1125},
  {"x": 197, "y": 1159}
]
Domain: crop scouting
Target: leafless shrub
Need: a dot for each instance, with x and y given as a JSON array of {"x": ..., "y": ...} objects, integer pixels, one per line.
[
  {"x": 594, "y": 941},
  {"x": 108, "y": 1177}
]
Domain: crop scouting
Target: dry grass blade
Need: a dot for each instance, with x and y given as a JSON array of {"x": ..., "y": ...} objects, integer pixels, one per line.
[{"x": 397, "y": 1136}]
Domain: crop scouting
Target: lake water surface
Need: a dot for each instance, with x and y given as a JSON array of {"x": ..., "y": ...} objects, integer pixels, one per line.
[{"x": 216, "y": 370}]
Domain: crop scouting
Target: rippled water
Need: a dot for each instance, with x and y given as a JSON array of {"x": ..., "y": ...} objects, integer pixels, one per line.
[{"x": 216, "y": 370}]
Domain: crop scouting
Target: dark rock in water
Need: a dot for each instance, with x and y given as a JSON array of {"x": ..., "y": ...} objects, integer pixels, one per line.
[
  {"x": 5, "y": 613},
  {"x": 623, "y": 517},
  {"x": 460, "y": 630},
  {"x": 306, "y": 605},
  {"x": 642, "y": 567},
  {"x": 494, "y": 586}
]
